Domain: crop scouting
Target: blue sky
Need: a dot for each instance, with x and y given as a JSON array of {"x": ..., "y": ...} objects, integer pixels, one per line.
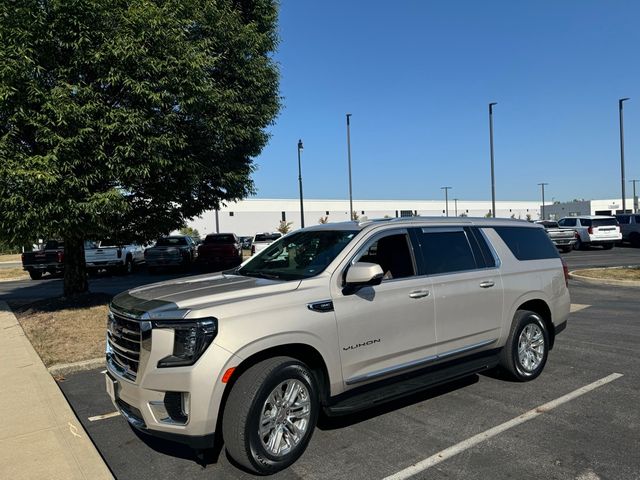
[{"x": 417, "y": 77}]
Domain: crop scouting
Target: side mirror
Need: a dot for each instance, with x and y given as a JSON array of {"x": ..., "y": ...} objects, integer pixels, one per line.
[{"x": 362, "y": 274}]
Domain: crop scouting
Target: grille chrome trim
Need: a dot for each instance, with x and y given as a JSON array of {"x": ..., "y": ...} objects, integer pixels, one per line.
[{"x": 123, "y": 345}]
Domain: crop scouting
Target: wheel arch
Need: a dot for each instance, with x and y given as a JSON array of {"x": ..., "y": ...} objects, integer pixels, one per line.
[{"x": 541, "y": 307}]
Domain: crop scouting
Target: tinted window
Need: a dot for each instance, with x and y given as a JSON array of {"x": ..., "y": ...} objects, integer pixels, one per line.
[
  {"x": 567, "y": 222},
  {"x": 637, "y": 218},
  {"x": 527, "y": 243},
  {"x": 585, "y": 222},
  {"x": 53, "y": 245},
  {"x": 446, "y": 250},
  {"x": 623, "y": 219},
  {"x": 604, "y": 222},
  {"x": 548, "y": 224},
  {"x": 225, "y": 238},
  {"x": 392, "y": 254},
  {"x": 485, "y": 251}
]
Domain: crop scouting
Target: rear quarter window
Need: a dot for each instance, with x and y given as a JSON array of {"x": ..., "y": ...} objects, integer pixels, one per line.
[{"x": 527, "y": 243}]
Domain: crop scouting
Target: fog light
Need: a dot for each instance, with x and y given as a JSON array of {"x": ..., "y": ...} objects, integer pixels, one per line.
[{"x": 174, "y": 409}]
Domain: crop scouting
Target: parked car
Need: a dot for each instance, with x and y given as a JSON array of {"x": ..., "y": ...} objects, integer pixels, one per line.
[
  {"x": 593, "y": 230},
  {"x": 113, "y": 256},
  {"x": 262, "y": 240},
  {"x": 562, "y": 238},
  {"x": 49, "y": 259},
  {"x": 334, "y": 318},
  {"x": 630, "y": 228},
  {"x": 246, "y": 242},
  {"x": 220, "y": 250},
  {"x": 171, "y": 251}
]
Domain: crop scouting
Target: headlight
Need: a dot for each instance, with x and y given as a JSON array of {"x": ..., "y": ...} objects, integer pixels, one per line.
[{"x": 191, "y": 339}]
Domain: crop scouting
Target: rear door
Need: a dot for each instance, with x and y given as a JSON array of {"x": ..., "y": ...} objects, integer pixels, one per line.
[{"x": 467, "y": 287}]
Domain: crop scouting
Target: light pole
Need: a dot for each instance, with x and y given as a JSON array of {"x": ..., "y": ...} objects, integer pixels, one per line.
[
  {"x": 349, "y": 157},
  {"x": 446, "y": 198},
  {"x": 455, "y": 202},
  {"x": 624, "y": 200},
  {"x": 300, "y": 148},
  {"x": 635, "y": 198},
  {"x": 493, "y": 179},
  {"x": 542, "y": 185},
  {"x": 217, "y": 222}
]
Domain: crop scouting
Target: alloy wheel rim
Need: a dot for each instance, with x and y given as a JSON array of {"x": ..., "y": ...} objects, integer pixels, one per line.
[
  {"x": 284, "y": 419},
  {"x": 531, "y": 347}
]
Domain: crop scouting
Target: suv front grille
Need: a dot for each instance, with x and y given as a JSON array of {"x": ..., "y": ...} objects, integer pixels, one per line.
[{"x": 123, "y": 345}]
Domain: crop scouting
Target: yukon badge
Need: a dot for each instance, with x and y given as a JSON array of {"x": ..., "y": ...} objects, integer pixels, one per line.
[{"x": 358, "y": 345}]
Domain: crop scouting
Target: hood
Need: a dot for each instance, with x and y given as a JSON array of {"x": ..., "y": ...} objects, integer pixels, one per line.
[{"x": 198, "y": 292}]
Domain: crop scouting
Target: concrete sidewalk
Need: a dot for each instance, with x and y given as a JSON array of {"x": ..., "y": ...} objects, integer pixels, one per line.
[{"x": 40, "y": 437}]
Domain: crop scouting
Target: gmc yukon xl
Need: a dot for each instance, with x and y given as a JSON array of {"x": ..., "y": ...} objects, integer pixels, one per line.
[{"x": 335, "y": 317}]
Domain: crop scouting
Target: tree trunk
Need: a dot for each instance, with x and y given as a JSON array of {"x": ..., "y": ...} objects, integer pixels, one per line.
[{"x": 75, "y": 269}]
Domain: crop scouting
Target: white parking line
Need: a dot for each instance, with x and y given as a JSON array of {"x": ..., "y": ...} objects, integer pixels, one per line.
[
  {"x": 492, "y": 432},
  {"x": 103, "y": 417},
  {"x": 576, "y": 307}
]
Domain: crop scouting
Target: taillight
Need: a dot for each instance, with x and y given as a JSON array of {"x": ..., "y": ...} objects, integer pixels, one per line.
[
  {"x": 60, "y": 257},
  {"x": 590, "y": 230},
  {"x": 565, "y": 270}
]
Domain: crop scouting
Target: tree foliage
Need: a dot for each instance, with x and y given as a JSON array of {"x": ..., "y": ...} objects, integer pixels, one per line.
[
  {"x": 132, "y": 115},
  {"x": 284, "y": 227}
]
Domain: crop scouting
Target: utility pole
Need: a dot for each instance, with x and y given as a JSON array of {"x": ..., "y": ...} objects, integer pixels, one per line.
[
  {"x": 455, "y": 202},
  {"x": 446, "y": 198},
  {"x": 493, "y": 179},
  {"x": 635, "y": 198},
  {"x": 217, "y": 222},
  {"x": 300, "y": 148},
  {"x": 349, "y": 157},
  {"x": 542, "y": 185},
  {"x": 624, "y": 196}
]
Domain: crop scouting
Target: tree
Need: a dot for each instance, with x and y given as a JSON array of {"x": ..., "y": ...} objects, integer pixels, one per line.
[
  {"x": 126, "y": 118},
  {"x": 284, "y": 227},
  {"x": 323, "y": 220},
  {"x": 488, "y": 214},
  {"x": 191, "y": 232},
  {"x": 354, "y": 216}
]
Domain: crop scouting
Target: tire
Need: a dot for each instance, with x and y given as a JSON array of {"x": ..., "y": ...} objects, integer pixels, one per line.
[
  {"x": 578, "y": 245},
  {"x": 255, "y": 394},
  {"x": 529, "y": 331},
  {"x": 35, "y": 274},
  {"x": 127, "y": 268},
  {"x": 566, "y": 249},
  {"x": 607, "y": 246}
]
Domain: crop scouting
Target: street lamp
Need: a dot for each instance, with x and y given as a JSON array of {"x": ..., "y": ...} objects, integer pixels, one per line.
[
  {"x": 300, "y": 148},
  {"x": 493, "y": 180},
  {"x": 349, "y": 156},
  {"x": 542, "y": 185},
  {"x": 624, "y": 199},
  {"x": 635, "y": 198},
  {"x": 446, "y": 198},
  {"x": 455, "y": 202}
]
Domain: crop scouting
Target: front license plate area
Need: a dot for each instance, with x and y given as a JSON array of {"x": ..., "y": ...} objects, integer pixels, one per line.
[{"x": 112, "y": 387}]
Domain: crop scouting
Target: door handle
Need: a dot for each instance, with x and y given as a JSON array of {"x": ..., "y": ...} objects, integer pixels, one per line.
[
  {"x": 419, "y": 294},
  {"x": 487, "y": 284}
]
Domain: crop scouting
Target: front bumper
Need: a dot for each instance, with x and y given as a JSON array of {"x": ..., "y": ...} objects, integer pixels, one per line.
[{"x": 145, "y": 401}]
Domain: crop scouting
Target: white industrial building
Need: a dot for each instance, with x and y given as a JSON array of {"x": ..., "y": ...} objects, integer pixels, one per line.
[
  {"x": 248, "y": 217},
  {"x": 589, "y": 207}
]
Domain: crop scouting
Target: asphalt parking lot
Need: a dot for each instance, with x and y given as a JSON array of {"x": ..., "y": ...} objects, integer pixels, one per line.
[{"x": 592, "y": 436}]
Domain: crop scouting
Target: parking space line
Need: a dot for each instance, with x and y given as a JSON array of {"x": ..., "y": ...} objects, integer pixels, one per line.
[
  {"x": 576, "y": 307},
  {"x": 103, "y": 417},
  {"x": 492, "y": 432}
]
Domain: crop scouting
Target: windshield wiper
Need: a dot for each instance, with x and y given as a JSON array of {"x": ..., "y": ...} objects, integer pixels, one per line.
[{"x": 269, "y": 276}]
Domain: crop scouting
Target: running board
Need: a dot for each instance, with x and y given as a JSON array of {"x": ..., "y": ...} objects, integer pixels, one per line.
[{"x": 401, "y": 386}]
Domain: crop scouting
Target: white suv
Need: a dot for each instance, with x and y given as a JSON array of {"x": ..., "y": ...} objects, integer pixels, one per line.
[
  {"x": 332, "y": 318},
  {"x": 593, "y": 230}
]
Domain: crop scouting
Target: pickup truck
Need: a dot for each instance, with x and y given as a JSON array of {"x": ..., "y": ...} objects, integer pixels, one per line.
[
  {"x": 171, "y": 251},
  {"x": 112, "y": 256},
  {"x": 263, "y": 240},
  {"x": 220, "y": 250},
  {"x": 49, "y": 259},
  {"x": 563, "y": 239},
  {"x": 630, "y": 228}
]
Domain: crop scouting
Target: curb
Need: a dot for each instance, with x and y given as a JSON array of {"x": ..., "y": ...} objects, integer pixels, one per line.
[
  {"x": 603, "y": 281},
  {"x": 67, "y": 368}
]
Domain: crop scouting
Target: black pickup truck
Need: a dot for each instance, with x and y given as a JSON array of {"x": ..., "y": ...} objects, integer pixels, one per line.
[{"x": 49, "y": 259}]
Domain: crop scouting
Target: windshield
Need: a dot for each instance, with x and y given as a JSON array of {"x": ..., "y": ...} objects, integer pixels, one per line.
[
  {"x": 267, "y": 237},
  {"x": 299, "y": 255},
  {"x": 171, "y": 241}
]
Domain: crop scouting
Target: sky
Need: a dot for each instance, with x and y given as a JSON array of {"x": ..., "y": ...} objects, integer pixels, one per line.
[{"x": 417, "y": 77}]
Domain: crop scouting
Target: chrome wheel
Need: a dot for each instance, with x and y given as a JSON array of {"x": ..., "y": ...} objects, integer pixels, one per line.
[
  {"x": 531, "y": 347},
  {"x": 285, "y": 417}
]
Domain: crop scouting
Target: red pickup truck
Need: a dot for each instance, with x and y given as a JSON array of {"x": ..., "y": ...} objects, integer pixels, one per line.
[{"x": 220, "y": 250}]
